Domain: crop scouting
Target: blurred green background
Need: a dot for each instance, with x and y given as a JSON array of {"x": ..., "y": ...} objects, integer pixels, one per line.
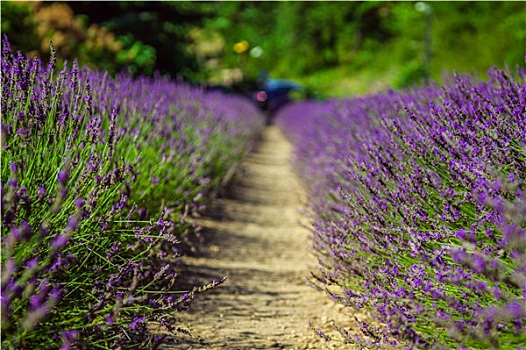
[{"x": 336, "y": 48}]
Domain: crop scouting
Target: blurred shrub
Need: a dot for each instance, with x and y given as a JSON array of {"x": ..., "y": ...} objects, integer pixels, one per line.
[
  {"x": 58, "y": 23},
  {"x": 31, "y": 25},
  {"x": 409, "y": 74},
  {"x": 17, "y": 21},
  {"x": 138, "y": 57}
]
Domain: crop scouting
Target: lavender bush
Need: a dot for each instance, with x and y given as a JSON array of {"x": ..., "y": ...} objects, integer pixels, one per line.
[
  {"x": 100, "y": 180},
  {"x": 419, "y": 210}
]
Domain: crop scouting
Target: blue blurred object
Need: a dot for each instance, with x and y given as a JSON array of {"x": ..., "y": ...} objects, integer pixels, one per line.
[{"x": 279, "y": 85}]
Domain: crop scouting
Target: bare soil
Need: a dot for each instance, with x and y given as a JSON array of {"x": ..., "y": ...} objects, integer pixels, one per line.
[{"x": 258, "y": 239}]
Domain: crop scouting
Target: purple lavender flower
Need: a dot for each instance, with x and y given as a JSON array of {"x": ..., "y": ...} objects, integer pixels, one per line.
[
  {"x": 429, "y": 177},
  {"x": 79, "y": 155},
  {"x": 59, "y": 242},
  {"x": 62, "y": 177},
  {"x": 137, "y": 322}
]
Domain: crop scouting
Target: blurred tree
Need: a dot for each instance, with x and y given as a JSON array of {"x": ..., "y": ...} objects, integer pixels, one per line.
[
  {"x": 30, "y": 26},
  {"x": 294, "y": 39},
  {"x": 478, "y": 35},
  {"x": 162, "y": 25},
  {"x": 300, "y": 37},
  {"x": 385, "y": 39}
]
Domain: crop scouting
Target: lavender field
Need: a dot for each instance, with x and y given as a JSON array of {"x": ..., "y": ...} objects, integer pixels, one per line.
[
  {"x": 418, "y": 210},
  {"x": 101, "y": 179},
  {"x": 417, "y": 202}
]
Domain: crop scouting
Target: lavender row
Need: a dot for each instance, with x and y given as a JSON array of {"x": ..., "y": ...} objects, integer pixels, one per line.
[
  {"x": 419, "y": 209},
  {"x": 101, "y": 178}
]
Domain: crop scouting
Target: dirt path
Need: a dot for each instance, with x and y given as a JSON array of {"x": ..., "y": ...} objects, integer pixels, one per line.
[{"x": 258, "y": 242}]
